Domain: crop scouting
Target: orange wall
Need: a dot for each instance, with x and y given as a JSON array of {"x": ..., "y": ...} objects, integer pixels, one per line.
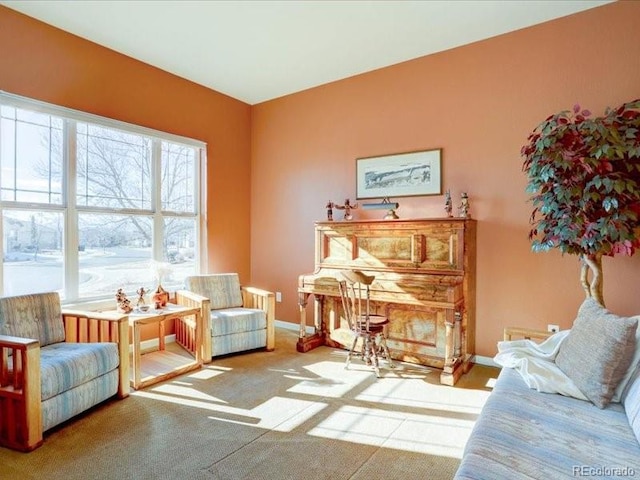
[
  {"x": 478, "y": 103},
  {"x": 42, "y": 62},
  {"x": 273, "y": 167}
]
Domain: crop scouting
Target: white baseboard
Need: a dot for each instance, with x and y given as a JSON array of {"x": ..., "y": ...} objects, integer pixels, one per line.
[
  {"x": 479, "y": 359},
  {"x": 486, "y": 361},
  {"x": 292, "y": 326},
  {"x": 154, "y": 343}
]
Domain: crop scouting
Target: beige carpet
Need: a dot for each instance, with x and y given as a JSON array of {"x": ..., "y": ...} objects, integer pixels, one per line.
[{"x": 269, "y": 415}]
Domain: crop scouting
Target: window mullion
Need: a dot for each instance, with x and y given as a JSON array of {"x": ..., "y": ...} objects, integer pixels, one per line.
[
  {"x": 200, "y": 175},
  {"x": 71, "y": 259},
  {"x": 156, "y": 203},
  {"x": 15, "y": 160}
]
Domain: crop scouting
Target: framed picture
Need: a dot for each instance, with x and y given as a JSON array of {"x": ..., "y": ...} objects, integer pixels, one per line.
[{"x": 399, "y": 175}]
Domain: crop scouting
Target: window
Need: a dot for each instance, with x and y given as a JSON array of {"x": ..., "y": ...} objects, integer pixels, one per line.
[
  {"x": 90, "y": 205},
  {"x": 32, "y": 260},
  {"x": 113, "y": 168},
  {"x": 31, "y": 144}
]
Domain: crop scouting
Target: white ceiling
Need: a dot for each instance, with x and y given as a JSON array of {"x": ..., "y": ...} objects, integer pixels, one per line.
[{"x": 259, "y": 50}]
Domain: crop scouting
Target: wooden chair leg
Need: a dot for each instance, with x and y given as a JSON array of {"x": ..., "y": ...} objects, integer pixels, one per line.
[{"x": 353, "y": 347}]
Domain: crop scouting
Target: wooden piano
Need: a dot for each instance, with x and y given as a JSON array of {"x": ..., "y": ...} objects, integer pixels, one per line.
[{"x": 425, "y": 285}]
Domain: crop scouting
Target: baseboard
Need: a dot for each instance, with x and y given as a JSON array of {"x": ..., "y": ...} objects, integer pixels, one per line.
[
  {"x": 479, "y": 359},
  {"x": 293, "y": 326},
  {"x": 154, "y": 343},
  {"x": 486, "y": 361}
]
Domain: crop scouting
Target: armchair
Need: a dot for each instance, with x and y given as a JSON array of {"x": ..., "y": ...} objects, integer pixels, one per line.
[
  {"x": 234, "y": 318},
  {"x": 55, "y": 364}
]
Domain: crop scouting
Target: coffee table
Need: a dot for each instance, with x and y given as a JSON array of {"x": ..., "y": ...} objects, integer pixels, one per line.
[{"x": 153, "y": 367}]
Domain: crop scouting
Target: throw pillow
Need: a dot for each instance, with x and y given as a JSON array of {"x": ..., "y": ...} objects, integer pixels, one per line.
[{"x": 598, "y": 351}]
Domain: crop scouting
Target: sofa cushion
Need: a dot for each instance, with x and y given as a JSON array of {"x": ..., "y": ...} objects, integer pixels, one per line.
[
  {"x": 68, "y": 365},
  {"x": 238, "y": 342},
  {"x": 631, "y": 402},
  {"x": 70, "y": 403},
  {"x": 36, "y": 316},
  {"x": 598, "y": 351},
  {"x": 222, "y": 289},
  {"x": 522, "y": 433},
  {"x": 237, "y": 320}
]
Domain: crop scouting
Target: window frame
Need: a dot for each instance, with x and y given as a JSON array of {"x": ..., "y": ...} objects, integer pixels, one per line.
[{"x": 70, "y": 209}]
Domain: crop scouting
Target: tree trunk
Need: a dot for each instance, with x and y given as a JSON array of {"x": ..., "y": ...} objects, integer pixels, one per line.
[{"x": 592, "y": 264}]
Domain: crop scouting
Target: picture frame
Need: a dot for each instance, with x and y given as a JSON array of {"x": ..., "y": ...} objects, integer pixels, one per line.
[{"x": 406, "y": 174}]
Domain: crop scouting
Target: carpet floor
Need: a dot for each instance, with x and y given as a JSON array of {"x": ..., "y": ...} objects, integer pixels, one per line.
[{"x": 270, "y": 415}]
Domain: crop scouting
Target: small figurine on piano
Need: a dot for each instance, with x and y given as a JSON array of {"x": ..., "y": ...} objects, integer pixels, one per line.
[
  {"x": 448, "y": 205},
  {"x": 464, "y": 205},
  {"x": 329, "y": 208},
  {"x": 347, "y": 207}
]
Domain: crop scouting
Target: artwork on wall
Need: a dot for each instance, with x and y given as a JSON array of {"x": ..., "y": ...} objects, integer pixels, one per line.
[{"x": 399, "y": 175}]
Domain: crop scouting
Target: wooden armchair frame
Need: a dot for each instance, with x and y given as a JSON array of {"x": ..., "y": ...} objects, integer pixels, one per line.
[
  {"x": 20, "y": 394},
  {"x": 525, "y": 333},
  {"x": 251, "y": 298}
]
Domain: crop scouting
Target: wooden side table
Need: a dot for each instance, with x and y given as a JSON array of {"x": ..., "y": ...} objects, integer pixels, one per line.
[{"x": 157, "y": 366}]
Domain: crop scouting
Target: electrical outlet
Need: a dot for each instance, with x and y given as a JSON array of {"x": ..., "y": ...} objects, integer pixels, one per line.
[
  {"x": 553, "y": 328},
  {"x": 278, "y": 296}
]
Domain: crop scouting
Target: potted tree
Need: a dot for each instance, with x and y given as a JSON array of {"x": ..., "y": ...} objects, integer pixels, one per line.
[{"x": 584, "y": 177}]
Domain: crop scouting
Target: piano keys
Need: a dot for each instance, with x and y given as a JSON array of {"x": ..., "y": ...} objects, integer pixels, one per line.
[{"x": 424, "y": 283}]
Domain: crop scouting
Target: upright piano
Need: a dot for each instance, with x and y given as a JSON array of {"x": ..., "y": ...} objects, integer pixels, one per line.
[{"x": 424, "y": 283}]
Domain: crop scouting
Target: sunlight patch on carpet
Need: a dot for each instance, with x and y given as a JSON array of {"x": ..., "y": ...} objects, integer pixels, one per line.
[
  {"x": 207, "y": 373},
  {"x": 278, "y": 413},
  {"x": 421, "y": 394},
  {"x": 427, "y": 434},
  {"x": 328, "y": 379},
  {"x": 184, "y": 391},
  {"x": 284, "y": 414}
]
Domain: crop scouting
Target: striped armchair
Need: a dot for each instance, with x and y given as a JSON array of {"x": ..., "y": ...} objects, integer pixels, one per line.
[
  {"x": 55, "y": 364},
  {"x": 235, "y": 318}
]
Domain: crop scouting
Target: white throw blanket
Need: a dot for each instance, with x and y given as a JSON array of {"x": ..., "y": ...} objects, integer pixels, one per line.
[{"x": 536, "y": 364}]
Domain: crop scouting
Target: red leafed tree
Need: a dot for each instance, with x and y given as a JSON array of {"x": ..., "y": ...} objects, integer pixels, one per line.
[{"x": 584, "y": 177}]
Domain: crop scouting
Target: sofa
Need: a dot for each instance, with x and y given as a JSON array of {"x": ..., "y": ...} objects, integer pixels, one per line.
[
  {"x": 235, "y": 318},
  {"x": 55, "y": 364},
  {"x": 523, "y": 433}
]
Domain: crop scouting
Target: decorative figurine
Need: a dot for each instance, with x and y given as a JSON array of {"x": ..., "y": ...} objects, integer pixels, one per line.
[
  {"x": 329, "y": 207},
  {"x": 160, "y": 297},
  {"x": 141, "y": 293},
  {"x": 464, "y": 205},
  {"x": 347, "y": 207},
  {"x": 448, "y": 206},
  {"x": 123, "y": 304}
]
